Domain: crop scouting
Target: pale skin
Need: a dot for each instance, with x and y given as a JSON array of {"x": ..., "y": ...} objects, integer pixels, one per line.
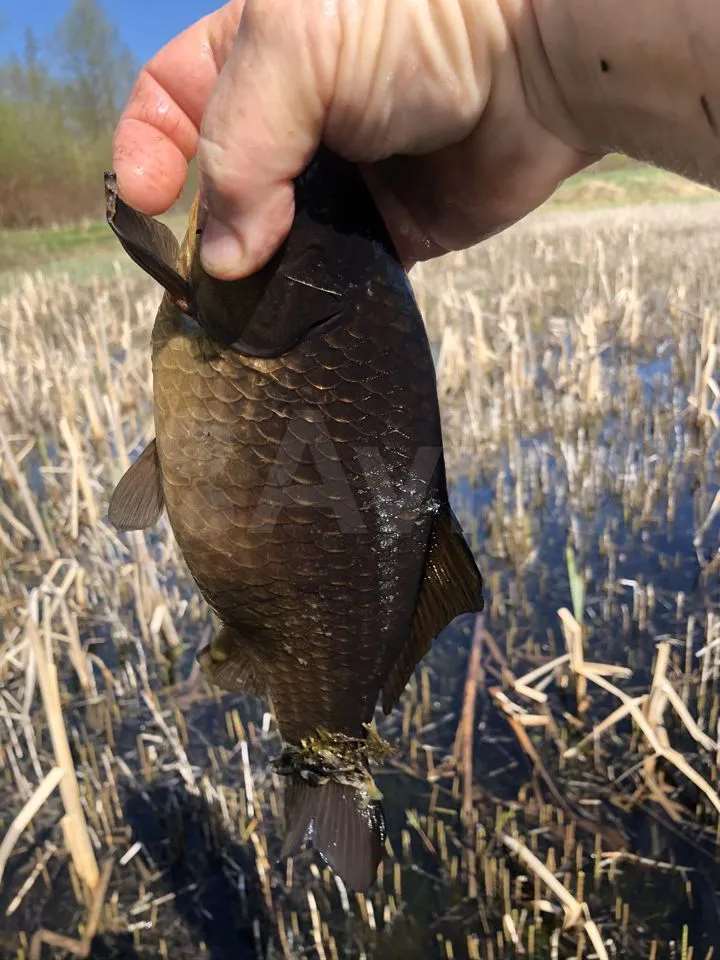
[{"x": 466, "y": 114}]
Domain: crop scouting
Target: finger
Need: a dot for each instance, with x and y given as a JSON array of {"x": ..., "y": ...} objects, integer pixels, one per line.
[
  {"x": 158, "y": 131},
  {"x": 262, "y": 126}
]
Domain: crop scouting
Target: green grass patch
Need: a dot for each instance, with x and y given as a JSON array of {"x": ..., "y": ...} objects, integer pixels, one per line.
[
  {"x": 84, "y": 249},
  {"x": 32, "y": 247}
]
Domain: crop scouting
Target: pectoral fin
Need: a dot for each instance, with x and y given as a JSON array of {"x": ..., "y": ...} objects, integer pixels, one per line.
[
  {"x": 225, "y": 661},
  {"x": 451, "y": 585},
  {"x": 151, "y": 244},
  {"x": 138, "y": 499}
]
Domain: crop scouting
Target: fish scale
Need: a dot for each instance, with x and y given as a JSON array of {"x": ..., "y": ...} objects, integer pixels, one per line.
[{"x": 350, "y": 670}]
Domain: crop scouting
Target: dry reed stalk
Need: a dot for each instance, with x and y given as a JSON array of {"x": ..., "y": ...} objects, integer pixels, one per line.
[
  {"x": 18, "y": 478},
  {"x": 282, "y": 934},
  {"x": 611, "y": 857},
  {"x": 75, "y": 830},
  {"x": 11, "y": 754},
  {"x": 183, "y": 763},
  {"x": 605, "y": 724},
  {"x": 57, "y": 592},
  {"x": 82, "y": 947},
  {"x": 161, "y": 622},
  {"x": 523, "y": 685},
  {"x": 508, "y": 676},
  {"x": 705, "y": 364},
  {"x": 576, "y": 913},
  {"x": 97, "y": 429},
  {"x": 590, "y": 374},
  {"x": 28, "y": 811},
  {"x": 464, "y": 737},
  {"x": 316, "y": 926},
  {"x": 40, "y": 867},
  {"x": 684, "y": 714},
  {"x": 587, "y": 669},
  {"x": 80, "y": 478},
  {"x": 658, "y": 741},
  {"x": 76, "y": 653},
  {"x": 572, "y": 632},
  {"x": 656, "y": 702},
  {"x": 528, "y": 747},
  {"x": 7, "y": 544},
  {"x": 707, "y": 522}
]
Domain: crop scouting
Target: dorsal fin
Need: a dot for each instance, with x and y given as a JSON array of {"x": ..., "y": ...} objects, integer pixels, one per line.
[
  {"x": 451, "y": 585},
  {"x": 138, "y": 498},
  {"x": 151, "y": 244}
]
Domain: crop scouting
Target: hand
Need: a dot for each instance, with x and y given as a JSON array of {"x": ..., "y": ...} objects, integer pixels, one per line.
[{"x": 427, "y": 94}]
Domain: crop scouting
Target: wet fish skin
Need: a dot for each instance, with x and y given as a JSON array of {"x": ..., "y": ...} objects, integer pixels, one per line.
[
  {"x": 299, "y": 455},
  {"x": 320, "y": 612}
]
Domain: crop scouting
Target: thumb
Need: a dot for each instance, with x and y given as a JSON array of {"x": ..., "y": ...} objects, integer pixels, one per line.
[{"x": 261, "y": 127}]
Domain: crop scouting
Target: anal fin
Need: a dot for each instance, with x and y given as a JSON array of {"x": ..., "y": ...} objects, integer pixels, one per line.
[
  {"x": 227, "y": 664},
  {"x": 138, "y": 498},
  {"x": 451, "y": 585}
]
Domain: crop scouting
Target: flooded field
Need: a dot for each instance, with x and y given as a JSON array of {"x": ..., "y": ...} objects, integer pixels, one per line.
[{"x": 553, "y": 788}]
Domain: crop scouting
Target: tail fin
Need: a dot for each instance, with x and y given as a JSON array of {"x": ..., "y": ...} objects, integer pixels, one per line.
[{"x": 342, "y": 823}]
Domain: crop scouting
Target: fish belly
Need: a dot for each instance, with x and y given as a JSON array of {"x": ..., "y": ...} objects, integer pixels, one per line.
[{"x": 302, "y": 492}]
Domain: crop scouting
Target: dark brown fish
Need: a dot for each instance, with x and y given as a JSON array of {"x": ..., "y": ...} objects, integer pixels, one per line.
[{"x": 299, "y": 455}]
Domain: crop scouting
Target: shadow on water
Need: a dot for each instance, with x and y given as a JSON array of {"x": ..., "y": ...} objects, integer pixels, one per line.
[
  {"x": 118, "y": 947},
  {"x": 197, "y": 872},
  {"x": 204, "y": 868}
]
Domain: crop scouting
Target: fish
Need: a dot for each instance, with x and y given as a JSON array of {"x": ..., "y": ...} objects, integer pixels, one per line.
[{"x": 298, "y": 454}]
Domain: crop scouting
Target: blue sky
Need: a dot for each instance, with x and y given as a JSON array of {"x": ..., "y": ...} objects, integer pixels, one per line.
[{"x": 144, "y": 24}]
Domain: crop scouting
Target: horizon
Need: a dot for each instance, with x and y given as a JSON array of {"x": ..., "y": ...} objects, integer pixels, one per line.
[{"x": 144, "y": 27}]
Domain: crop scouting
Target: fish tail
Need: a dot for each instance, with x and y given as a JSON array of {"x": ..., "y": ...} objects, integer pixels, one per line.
[{"x": 345, "y": 824}]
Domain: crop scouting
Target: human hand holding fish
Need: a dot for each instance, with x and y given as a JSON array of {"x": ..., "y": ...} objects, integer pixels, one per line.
[{"x": 465, "y": 113}]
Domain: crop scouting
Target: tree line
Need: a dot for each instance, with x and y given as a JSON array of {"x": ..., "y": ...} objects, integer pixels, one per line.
[{"x": 59, "y": 102}]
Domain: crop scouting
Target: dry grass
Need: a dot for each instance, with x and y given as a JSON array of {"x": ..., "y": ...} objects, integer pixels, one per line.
[{"x": 577, "y": 369}]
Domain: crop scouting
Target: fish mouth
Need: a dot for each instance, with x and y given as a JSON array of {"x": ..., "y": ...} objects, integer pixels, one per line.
[{"x": 322, "y": 326}]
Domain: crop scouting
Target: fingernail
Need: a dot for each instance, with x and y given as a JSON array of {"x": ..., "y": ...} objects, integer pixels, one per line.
[{"x": 221, "y": 251}]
